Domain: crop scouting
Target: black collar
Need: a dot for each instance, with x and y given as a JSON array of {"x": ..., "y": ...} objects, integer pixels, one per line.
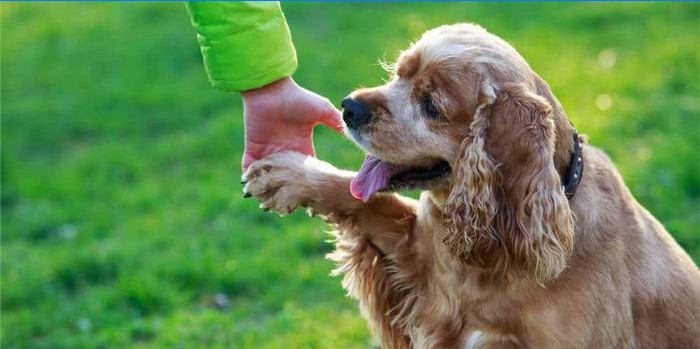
[{"x": 574, "y": 173}]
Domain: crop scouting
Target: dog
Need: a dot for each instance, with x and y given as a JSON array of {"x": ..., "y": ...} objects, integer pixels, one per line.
[{"x": 524, "y": 236}]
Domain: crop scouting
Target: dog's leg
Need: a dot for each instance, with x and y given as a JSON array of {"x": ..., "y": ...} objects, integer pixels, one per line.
[
  {"x": 285, "y": 181},
  {"x": 374, "y": 240}
]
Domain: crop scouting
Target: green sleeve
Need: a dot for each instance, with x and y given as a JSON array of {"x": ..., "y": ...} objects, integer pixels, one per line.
[{"x": 245, "y": 45}]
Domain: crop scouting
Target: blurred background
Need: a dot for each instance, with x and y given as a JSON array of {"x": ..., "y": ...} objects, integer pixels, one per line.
[{"x": 123, "y": 223}]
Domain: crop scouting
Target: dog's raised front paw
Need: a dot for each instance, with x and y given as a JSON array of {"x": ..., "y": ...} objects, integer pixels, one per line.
[{"x": 281, "y": 181}]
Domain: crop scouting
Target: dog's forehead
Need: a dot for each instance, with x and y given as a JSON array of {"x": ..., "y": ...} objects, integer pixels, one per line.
[
  {"x": 420, "y": 60},
  {"x": 408, "y": 64},
  {"x": 427, "y": 51}
]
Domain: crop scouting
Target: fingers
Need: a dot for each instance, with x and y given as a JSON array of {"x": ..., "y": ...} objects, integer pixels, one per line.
[
  {"x": 332, "y": 119},
  {"x": 328, "y": 115},
  {"x": 293, "y": 140}
]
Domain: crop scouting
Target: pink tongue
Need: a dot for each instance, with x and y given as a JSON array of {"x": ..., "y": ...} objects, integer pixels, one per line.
[{"x": 372, "y": 177}]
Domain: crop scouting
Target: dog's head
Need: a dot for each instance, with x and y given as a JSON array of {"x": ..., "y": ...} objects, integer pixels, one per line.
[{"x": 464, "y": 114}]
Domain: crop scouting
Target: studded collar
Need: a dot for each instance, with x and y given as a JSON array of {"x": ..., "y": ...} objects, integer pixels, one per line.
[{"x": 574, "y": 173}]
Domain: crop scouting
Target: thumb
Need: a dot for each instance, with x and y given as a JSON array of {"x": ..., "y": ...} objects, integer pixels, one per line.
[{"x": 331, "y": 118}]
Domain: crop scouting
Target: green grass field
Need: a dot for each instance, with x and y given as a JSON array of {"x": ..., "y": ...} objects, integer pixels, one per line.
[{"x": 123, "y": 223}]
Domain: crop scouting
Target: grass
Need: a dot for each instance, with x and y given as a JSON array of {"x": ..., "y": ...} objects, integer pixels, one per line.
[{"x": 122, "y": 218}]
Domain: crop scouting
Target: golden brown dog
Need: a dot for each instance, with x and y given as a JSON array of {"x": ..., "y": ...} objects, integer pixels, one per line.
[{"x": 511, "y": 245}]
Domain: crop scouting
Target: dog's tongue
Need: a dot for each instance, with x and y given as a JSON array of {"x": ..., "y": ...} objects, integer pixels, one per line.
[{"x": 372, "y": 177}]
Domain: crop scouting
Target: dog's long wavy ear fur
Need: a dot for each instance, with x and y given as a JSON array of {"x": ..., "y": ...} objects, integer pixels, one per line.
[
  {"x": 471, "y": 205},
  {"x": 508, "y": 208}
]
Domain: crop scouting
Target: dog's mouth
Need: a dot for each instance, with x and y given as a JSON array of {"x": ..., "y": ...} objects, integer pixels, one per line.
[{"x": 377, "y": 175}]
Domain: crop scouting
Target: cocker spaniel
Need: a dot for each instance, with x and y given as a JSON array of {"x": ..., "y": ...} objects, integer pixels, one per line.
[{"x": 524, "y": 236}]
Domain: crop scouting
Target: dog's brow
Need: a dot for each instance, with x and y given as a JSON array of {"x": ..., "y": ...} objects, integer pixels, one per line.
[{"x": 408, "y": 65}]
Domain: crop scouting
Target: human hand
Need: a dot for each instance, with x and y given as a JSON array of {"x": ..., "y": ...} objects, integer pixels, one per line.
[{"x": 281, "y": 116}]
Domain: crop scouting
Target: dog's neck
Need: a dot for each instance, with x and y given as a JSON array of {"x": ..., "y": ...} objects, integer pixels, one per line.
[
  {"x": 438, "y": 197},
  {"x": 564, "y": 144}
]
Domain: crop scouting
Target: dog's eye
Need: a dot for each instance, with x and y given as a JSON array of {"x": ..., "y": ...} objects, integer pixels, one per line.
[{"x": 429, "y": 108}]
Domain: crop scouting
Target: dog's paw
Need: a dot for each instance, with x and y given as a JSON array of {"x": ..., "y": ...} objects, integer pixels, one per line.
[{"x": 282, "y": 181}]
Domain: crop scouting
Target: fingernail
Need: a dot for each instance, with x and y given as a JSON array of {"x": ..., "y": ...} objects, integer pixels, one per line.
[{"x": 247, "y": 195}]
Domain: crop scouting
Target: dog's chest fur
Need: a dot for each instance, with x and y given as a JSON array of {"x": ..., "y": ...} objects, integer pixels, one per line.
[{"x": 491, "y": 310}]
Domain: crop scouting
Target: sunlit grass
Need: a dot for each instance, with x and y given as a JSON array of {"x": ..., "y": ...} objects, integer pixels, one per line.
[{"x": 123, "y": 223}]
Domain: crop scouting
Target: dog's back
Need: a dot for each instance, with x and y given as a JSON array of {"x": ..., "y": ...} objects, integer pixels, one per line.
[
  {"x": 647, "y": 284},
  {"x": 666, "y": 292}
]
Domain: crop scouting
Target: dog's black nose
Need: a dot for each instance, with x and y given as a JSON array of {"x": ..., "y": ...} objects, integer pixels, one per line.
[{"x": 355, "y": 113}]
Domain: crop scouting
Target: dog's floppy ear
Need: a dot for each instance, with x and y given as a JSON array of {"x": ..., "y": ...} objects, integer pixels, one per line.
[
  {"x": 471, "y": 205},
  {"x": 515, "y": 213},
  {"x": 535, "y": 223}
]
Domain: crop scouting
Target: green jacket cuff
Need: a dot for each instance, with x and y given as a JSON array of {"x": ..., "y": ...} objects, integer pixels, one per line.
[{"x": 244, "y": 45}]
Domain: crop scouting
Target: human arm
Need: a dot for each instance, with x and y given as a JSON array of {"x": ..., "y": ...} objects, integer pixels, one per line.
[{"x": 247, "y": 47}]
